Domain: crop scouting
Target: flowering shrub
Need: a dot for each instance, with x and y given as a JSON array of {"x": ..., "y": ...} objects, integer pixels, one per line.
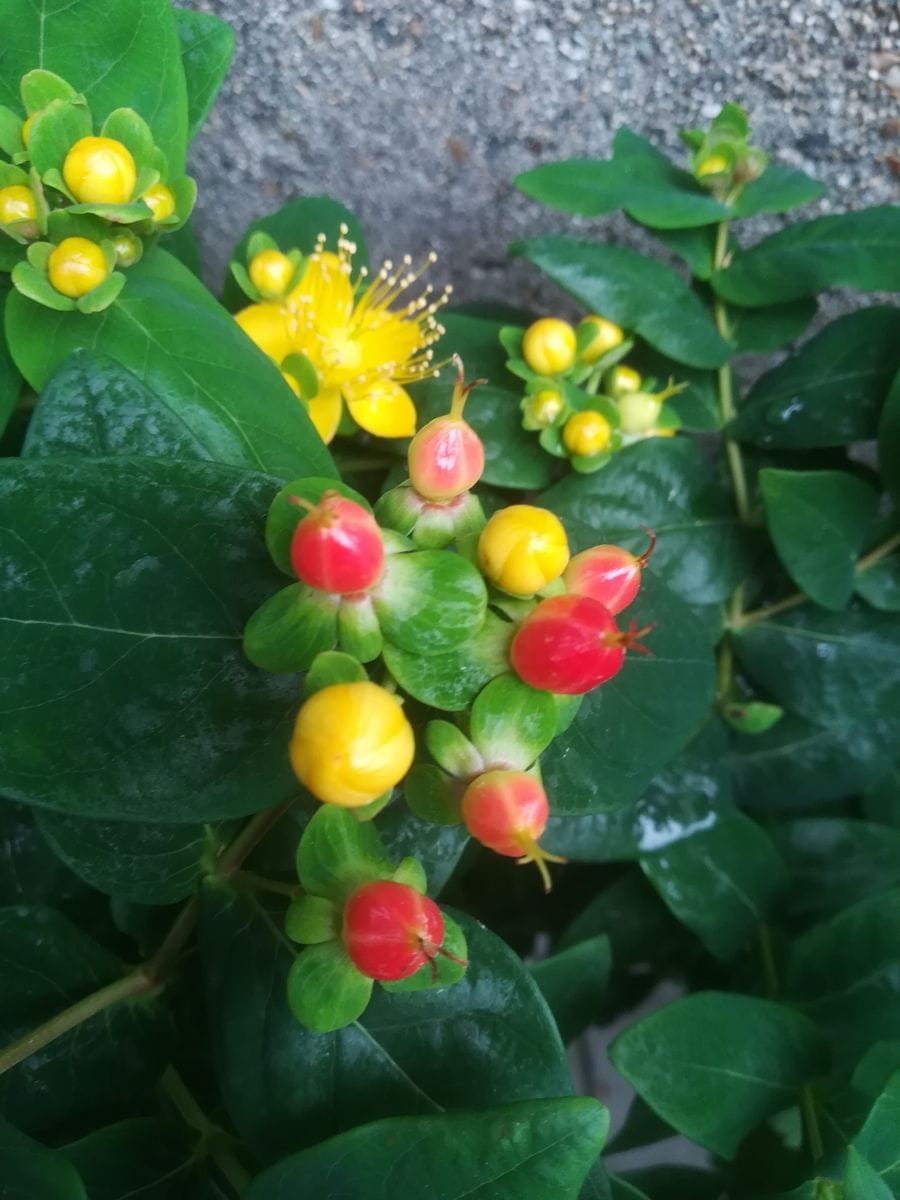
[{"x": 352, "y": 640}]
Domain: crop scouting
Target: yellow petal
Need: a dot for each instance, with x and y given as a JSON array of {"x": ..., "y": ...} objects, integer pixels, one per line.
[
  {"x": 381, "y": 407},
  {"x": 325, "y": 413},
  {"x": 267, "y": 326}
]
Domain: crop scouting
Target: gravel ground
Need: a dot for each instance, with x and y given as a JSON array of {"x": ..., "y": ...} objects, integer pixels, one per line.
[{"x": 417, "y": 117}]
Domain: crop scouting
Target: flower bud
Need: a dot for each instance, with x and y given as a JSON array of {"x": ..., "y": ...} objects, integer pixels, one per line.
[
  {"x": 549, "y": 346},
  {"x": 586, "y": 433},
  {"x": 267, "y": 326},
  {"x": 622, "y": 379},
  {"x": 391, "y": 930},
  {"x": 610, "y": 574},
  {"x": 351, "y": 743},
  {"x": 76, "y": 266},
  {"x": 638, "y": 411},
  {"x": 543, "y": 407},
  {"x": 507, "y": 812},
  {"x": 160, "y": 200},
  {"x": 100, "y": 170},
  {"x": 17, "y": 204},
  {"x": 606, "y": 338},
  {"x": 337, "y": 547},
  {"x": 271, "y": 273},
  {"x": 522, "y": 549},
  {"x": 128, "y": 247},
  {"x": 446, "y": 457},
  {"x": 713, "y": 164}
]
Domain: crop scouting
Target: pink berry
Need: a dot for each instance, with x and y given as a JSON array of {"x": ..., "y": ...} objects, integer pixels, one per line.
[
  {"x": 609, "y": 574},
  {"x": 507, "y": 812},
  {"x": 391, "y": 930},
  {"x": 337, "y": 547},
  {"x": 446, "y": 457}
]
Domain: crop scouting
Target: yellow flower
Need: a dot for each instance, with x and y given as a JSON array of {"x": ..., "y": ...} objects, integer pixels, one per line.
[{"x": 363, "y": 349}]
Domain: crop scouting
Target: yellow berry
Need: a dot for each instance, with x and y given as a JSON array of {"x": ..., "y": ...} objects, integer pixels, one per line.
[
  {"x": 17, "y": 204},
  {"x": 160, "y": 200},
  {"x": 545, "y": 406},
  {"x": 586, "y": 433},
  {"x": 623, "y": 379},
  {"x": 271, "y": 272},
  {"x": 26, "y": 130},
  {"x": 638, "y": 412},
  {"x": 267, "y": 325},
  {"x": 76, "y": 266},
  {"x": 100, "y": 170},
  {"x": 607, "y": 337},
  {"x": 351, "y": 744},
  {"x": 713, "y": 164},
  {"x": 522, "y": 549},
  {"x": 549, "y": 346},
  {"x": 660, "y": 432}
]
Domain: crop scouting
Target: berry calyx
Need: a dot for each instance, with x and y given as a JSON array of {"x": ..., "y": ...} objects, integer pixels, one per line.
[
  {"x": 391, "y": 930},
  {"x": 100, "y": 170},
  {"x": 446, "y": 457},
  {"x": 571, "y": 644},
  {"x": 610, "y": 574},
  {"x": 606, "y": 338},
  {"x": 522, "y": 549},
  {"x": 271, "y": 273},
  {"x": 549, "y": 346},
  {"x": 586, "y": 433},
  {"x": 351, "y": 743},
  {"x": 337, "y": 547},
  {"x": 507, "y": 811},
  {"x": 160, "y": 200},
  {"x": 267, "y": 326},
  {"x": 17, "y": 204},
  {"x": 544, "y": 407},
  {"x": 76, "y": 266}
]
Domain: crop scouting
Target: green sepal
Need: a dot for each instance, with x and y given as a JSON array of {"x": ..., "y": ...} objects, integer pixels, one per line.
[
  {"x": 284, "y": 516},
  {"x": 579, "y": 400},
  {"x": 433, "y": 795},
  {"x": 36, "y": 286},
  {"x": 116, "y": 214},
  {"x": 566, "y": 710},
  {"x": 337, "y": 854},
  {"x": 751, "y": 716},
  {"x": 429, "y": 601},
  {"x": 512, "y": 723},
  {"x": 609, "y": 359},
  {"x": 38, "y": 254},
  {"x": 146, "y": 177},
  {"x": 185, "y": 192},
  {"x": 242, "y": 279},
  {"x": 452, "y": 680},
  {"x": 396, "y": 543},
  {"x": 412, "y": 873},
  {"x": 63, "y": 223},
  {"x": 39, "y": 87},
  {"x": 511, "y": 339},
  {"x": 398, "y": 509},
  {"x": 359, "y": 633},
  {"x": 304, "y": 372},
  {"x": 439, "y": 525},
  {"x": 368, "y": 812},
  {"x": 441, "y": 971},
  {"x": 331, "y": 667},
  {"x": 54, "y": 131},
  {"x": 13, "y": 231},
  {"x": 10, "y": 176},
  {"x": 551, "y": 439},
  {"x": 312, "y": 919},
  {"x": 126, "y": 126},
  {"x": 10, "y": 131},
  {"x": 732, "y": 118},
  {"x": 259, "y": 241},
  {"x": 325, "y": 990},
  {"x": 287, "y": 631},
  {"x": 588, "y": 464},
  {"x": 103, "y": 294},
  {"x": 452, "y": 750}
]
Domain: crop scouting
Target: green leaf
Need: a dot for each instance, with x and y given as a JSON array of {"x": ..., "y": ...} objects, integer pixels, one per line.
[
  {"x": 715, "y": 1064},
  {"x": 697, "y": 247},
  {"x": 429, "y": 601},
  {"x": 777, "y": 190},
  {"x": 834, "y": 862},
  {"x": 765, "y": 329},
  {"x": 291, "y": 628},
  {"x": 10, "y": 379},
  {"x": 144, "y": 863},
  {"x": 437, "y": 850},
  {"x": 188, "y": 730},
  {"x": 233, "y": 401},
  {"x": 325, "y": 990},
  {"x": 879, "y": 584},
  {"x": 207, "y": 45},
  {"x": 147, "y": 1158},
  {"x": 844, "y": 975},
  {"x": 512, "y": 723},
  {"x": 573, "y": 982},
  {"x": 29, "y": 1171},
  {"x": 337, "y": 854},
  {"x": 856, "y": 249},
  {"x": 489, "y": 1036},
  {"x": 877, "y": 1140},
  {"x": 889, "y": 439},
  {"x": 641, "y": 295},
  {"x": 452, "y": 680},
  {"x": 104, "y": 1062},
  {"x": 433, "y": 795},
  {"x": 540, "y": 1150},
  {"x": 861, "y": 1180},
  {"x": 829, "y": 392},
  {"x": 30, "y": 872},
  {"x": 118, "y": 67},
  {"x": 668, "y": 485},
  {"x": 819, "y": 521}
]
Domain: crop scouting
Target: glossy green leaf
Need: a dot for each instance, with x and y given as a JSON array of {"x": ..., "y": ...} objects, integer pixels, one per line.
[
  {"x": 118, "y": 69},
  {"x": 136, "y": 702},
  {"x": 207, "y": 44},
  {"x": 819, "y": 521},
  {"x": 512, "y": 723},
  {"x": 762, "y": 330},
  {"x": 30, "y": 871},
  {"x": 845, "y": 975},
  {"x": 777, "y": 190},
  {"x": 715, "y": 1064},
  {"x": 831, "y": 391},
  {"x": 437, "y": 850},
  {"x": 338, "y": 853},
  {"x": 889, "y": 439},
  {"x": 882, "y": 800},
  {"x": 162, "y": 328},
  {"x": 879, "y": 584},
  {"x": 856, "y": 249},
  {"x": 638, "y": 293},
  {"x": 862, "y": 1181},
  {"x": 573, "y": 982},
  {"x": 146, "y": 1158},
  {"x": 10, "y": 379},
  {"x": 877, "y": 1141},
  {"x": 429, "y": 601},
  {"x": 29, "y": 1171},
  {"x": 488, "y": 1038},
  {"x": 834, "y": 862},
  {"x": 325, "y": 990},
  {"x": 105, "y": 1061},
  {"x": 541, "y": 1150},
  {"x": 667, "y": 485}
]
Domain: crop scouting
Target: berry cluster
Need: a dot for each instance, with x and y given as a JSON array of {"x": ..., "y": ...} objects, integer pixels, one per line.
[
  {"x": 581, "y": 398},
  {"x": 81, "y": 204}
]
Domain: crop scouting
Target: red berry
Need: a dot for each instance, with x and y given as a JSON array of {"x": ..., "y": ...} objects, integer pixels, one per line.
[
  {"x": 570, "y": 644},
  {"x": 337, "y": 546},
  {"x": 390, "y": 930},
  {"x": 446, "y": 457},
  {"x": 609, "y": 574},
  {"x": 507, "y": 812}
]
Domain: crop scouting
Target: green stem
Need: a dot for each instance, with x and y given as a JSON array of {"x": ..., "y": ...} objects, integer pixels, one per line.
[
  {"x": 727, "y": 410},
  {"x": 262, "y": 884},
  {"x": 811, "y": 1123},
  {"x": 215, "y": 1139}
]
